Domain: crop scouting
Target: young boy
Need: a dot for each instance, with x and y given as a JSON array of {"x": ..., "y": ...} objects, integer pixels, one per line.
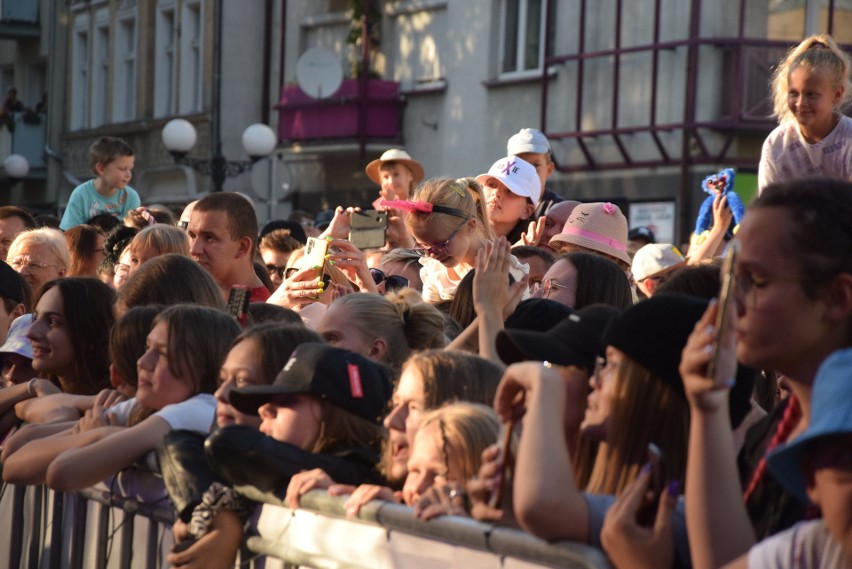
[
  {"x": 512, "y": 189},
  {"x": 816, "y": 466},
  {"x": 531, "y": 145},
  {"x": 111, "y": 159}
]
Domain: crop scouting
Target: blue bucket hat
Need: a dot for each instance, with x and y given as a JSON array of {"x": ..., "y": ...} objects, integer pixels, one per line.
[
  {"x": 831, "y": 414},
  {"x": 16, "y": 340}
]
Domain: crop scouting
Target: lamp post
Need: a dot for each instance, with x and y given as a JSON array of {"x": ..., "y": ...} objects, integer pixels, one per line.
[
  {"x": 16, "y": 167},
  {"x": 179, "y": 137}
]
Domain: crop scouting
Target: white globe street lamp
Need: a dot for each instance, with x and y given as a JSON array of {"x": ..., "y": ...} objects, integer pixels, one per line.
[
  {"x": 179, "y": 136},
  {"x": 16, "y": 166}
]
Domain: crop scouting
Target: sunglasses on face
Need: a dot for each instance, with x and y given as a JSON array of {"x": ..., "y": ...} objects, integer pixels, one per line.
[
  {"x": 438, "y": 249},
  {"x": 273, "y": 270},
  {"x": 392, "y": 282}
]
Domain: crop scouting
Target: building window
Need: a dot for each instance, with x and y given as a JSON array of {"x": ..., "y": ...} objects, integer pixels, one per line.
[
  {"x": 165, "y": 62},
  {"x": 420, "y": 37},
  {"x": 522, "y": 40},
  {"x": 191, "y": 42},
  {"x": 79, "y": 111},
  {"x": 100, "y": 77},
  {"x": 124, "y": 86}
]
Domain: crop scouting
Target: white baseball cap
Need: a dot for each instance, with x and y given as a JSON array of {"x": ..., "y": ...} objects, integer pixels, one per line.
[
  {"x": 518, "y": 175},
  {"x": 654, "y": 259},
  {"x": 528, "y": 140}
]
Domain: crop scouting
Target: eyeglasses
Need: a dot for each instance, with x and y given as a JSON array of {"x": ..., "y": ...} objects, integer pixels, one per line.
[
  {"x": 273, "y": 270},
  {"x": 120, "y": 269},
  {"x": 746, "y": 286},
  {"x": 392, "y": 282},
  {"x": 290, "y": 272},
  {"x": 438, "y": 249},
  {"x": 20, "y": 263},
  {"x": 546, "y": 286},
  {"x": 182, "y": 224}
]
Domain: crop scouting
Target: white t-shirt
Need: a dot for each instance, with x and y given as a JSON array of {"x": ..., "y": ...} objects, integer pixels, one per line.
[
  {"x": 787, "y": 156},
  {"x": 806, "y": 545},
  {"x": 439, "y": 285},
  {"x": 195, "y": 414}
]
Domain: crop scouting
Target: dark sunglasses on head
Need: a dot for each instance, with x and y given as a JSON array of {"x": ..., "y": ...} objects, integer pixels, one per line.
[{"x": 392, "y": 282}]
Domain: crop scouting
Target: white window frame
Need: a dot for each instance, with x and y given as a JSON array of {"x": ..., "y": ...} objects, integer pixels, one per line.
[
  {"x": 165, "y": 59},
  {"x": 125, "y": 68},
  {"x": 80, "y": 72},
  {"x": 100, "y": 75},
  {"x": 518, "y": 71},
  {"x": 190, "y": 94}
]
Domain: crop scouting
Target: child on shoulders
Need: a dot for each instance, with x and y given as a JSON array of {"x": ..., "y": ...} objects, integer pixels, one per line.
[{"x": 111, "y": 159}]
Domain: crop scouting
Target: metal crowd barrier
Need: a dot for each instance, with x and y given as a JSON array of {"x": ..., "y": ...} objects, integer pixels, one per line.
[{"x": 94, "y": 528}]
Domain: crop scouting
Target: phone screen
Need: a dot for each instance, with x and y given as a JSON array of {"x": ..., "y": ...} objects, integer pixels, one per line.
[{"x": 726, "y": 296}]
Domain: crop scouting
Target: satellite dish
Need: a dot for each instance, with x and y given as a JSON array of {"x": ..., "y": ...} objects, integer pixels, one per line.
[{"x": 319, "y": 72}]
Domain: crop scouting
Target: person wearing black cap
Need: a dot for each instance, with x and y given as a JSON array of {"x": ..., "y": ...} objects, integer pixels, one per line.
[
  {"x": 14, "y": 297},
  {"x": 638, "y": 237},
  {"x": 638, "y": 398},
  {"x": 576, "y": 341},
  {"x": 324, "y": 410}
]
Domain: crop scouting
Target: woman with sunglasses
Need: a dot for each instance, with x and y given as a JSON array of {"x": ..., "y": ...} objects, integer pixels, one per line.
[
  {"x": 449, "y": 224},
  {"x": 404, "y": 263}
]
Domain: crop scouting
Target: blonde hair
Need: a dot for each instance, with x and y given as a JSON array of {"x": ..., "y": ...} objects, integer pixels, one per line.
[
  {"x": 51, "y": 238},
  {"x": 402, "y": 319},
  {"x": 645, "y": 409},
  {"x": 466, "y": 429},
  {"x": 818, "y": 52},
  {"x": 464, "y": 195},
  {"x": 161, "y": 239}
]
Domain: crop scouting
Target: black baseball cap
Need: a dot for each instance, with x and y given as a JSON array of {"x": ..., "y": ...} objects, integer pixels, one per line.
[
  {"x": 574, "y": 341},
  {"x": 11, "y": 283},
  {"x": 343, "y": 378},
  {"x": 538, "y": 314}
]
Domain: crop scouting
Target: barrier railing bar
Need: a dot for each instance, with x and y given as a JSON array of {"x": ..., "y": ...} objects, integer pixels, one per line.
[
  {"x": 56, "y": 517},
  {"x": 18, "y": 494},
  {"x": 36, "y": 525}
]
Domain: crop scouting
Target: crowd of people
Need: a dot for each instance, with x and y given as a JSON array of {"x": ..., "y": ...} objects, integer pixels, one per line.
[{"x": 507, "y": 354}]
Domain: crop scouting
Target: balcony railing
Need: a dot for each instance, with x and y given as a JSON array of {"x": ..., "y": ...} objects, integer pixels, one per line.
[{"x": 345, "y": 115}]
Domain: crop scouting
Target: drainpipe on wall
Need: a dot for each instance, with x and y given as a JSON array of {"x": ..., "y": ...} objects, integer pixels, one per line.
[{"x": 685, "y": 189}]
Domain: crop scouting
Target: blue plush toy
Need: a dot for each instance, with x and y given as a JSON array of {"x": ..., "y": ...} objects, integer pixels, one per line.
[{"x": 721, "y": 183}]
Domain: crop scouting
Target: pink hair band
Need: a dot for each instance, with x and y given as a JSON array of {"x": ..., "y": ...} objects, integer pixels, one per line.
[{"x": 407, "y": 205}]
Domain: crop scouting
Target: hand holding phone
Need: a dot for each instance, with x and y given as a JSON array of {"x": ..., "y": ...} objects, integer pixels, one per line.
[
  {"x": 648, "y": 512},
  {"x": 504, "y": 440},
  {"x": 367, "y": 228}
]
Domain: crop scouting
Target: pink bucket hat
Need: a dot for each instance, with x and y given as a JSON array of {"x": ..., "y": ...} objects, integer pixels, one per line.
[{"x": 597, "y": 226}]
